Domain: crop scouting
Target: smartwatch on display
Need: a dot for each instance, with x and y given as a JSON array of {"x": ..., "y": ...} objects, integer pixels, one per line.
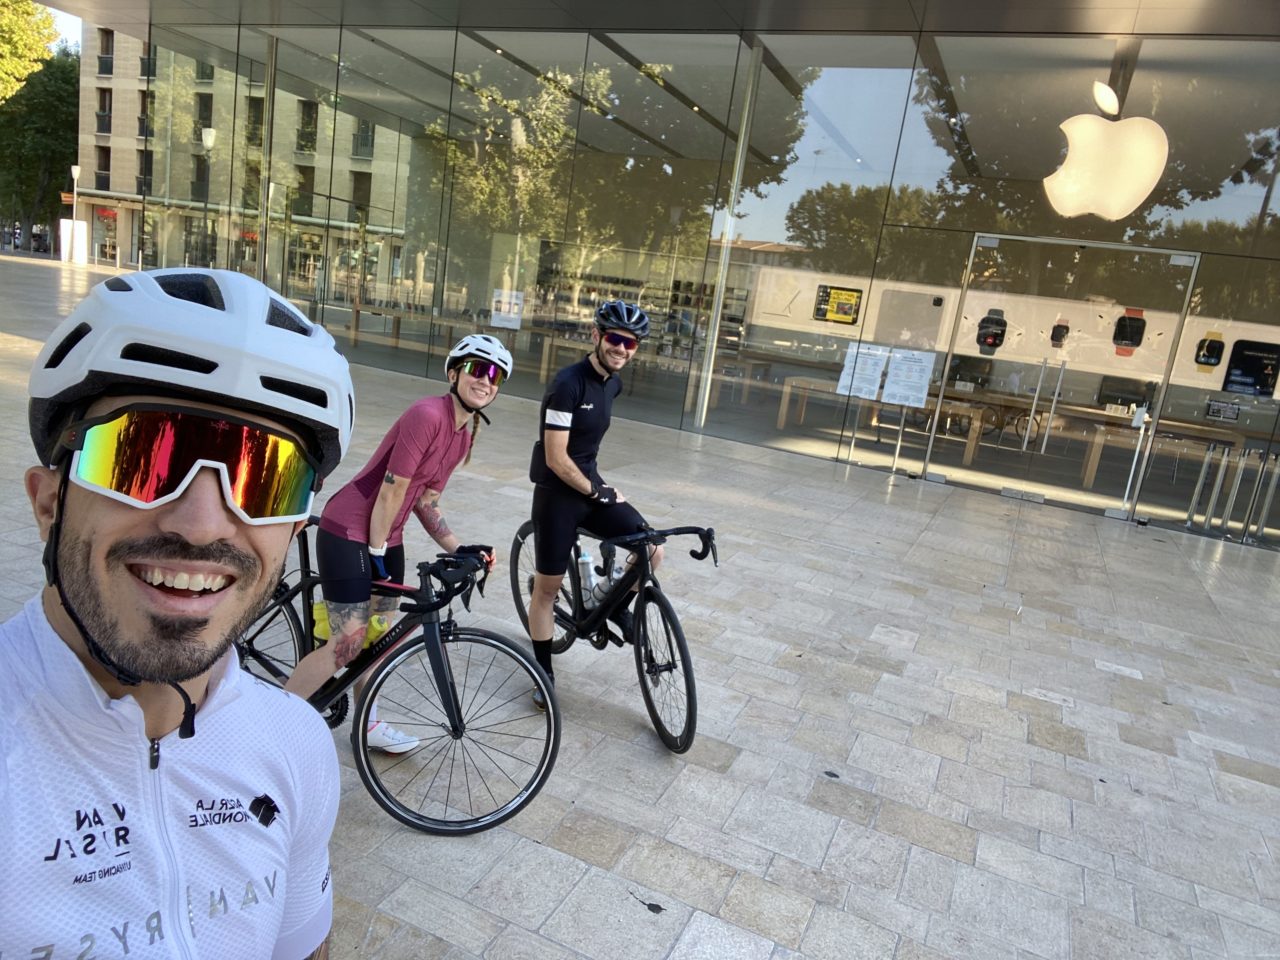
[
  {"x": 1058, "y": 335},
  {"x": 1209, "y": 351},
  {"x": 1127, "y": 336},
  {"x": 991, "y": 330}
]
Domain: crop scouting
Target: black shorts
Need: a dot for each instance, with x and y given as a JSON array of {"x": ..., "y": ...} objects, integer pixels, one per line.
[
  {"x": 558, "y": 512},
  {"x": 344, "y": 567}
]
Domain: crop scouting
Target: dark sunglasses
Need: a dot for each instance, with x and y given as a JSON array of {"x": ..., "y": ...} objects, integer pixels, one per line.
[
  {"x": 619, "y": 340},
  {"x": 483, "y": 368}
]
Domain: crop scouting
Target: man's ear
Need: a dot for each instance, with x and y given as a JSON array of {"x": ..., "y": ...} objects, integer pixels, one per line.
[{"x": 42, "y": 490}]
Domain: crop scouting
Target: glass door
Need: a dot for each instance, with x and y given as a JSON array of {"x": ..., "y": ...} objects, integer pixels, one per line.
[{"x": 1059, "y": 355}]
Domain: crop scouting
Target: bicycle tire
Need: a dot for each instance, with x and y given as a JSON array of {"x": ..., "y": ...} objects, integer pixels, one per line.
[
  {"x": 453, "y": 787},
  {"x": 523, "y": 558},
  {"x": 665, "y": 671},
  {"x": 272, "y": 646}
]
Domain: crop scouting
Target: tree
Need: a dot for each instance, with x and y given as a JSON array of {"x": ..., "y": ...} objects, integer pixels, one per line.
[
  {"x": 38, "y": 134},
  {"x": 26, "y": 30}
]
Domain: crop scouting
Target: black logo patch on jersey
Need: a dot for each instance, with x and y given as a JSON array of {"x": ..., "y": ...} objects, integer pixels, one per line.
[{"x": 265, "y": 809}]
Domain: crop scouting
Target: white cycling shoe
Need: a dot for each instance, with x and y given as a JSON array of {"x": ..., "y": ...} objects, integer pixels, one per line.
[{"x": 382, "y": 736}]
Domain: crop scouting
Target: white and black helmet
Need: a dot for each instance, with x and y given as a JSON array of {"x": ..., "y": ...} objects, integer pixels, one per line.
[
  {"x": 210, "y": 335},
  {"x": 483, "y": 346}
]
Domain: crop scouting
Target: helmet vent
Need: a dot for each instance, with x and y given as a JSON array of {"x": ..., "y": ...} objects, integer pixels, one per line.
[
  {"x": 278, "y": 316},
  {"x": 299, "y": 391},
  {"x": 67, "y": 345},
  {"x": 160, "y": 357},
  {"x": 119, "y": 285},
  {"x": 194, "y": 287}
]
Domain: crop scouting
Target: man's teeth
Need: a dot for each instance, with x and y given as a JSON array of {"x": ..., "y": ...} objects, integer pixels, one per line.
[{"x": 184, "y": 581}]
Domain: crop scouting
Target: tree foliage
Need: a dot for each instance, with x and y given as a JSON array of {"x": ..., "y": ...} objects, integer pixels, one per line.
[
  {"x": 38, "y": 134},
  {"x": 26, "y": 30}
]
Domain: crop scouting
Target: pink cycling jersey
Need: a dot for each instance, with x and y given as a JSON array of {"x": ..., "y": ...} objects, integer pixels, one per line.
[{"x": 423, "y": 445}]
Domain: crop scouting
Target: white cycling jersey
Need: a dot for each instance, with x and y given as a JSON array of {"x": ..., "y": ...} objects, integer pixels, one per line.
[{"x": 218, "y": 851}]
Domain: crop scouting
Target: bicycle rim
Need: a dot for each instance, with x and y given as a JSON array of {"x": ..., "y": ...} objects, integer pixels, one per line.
[
  {"x": 523, "y": 567},
  {"x": 447, "y": 786},
  {"x": 665, "y": 671},
  {"x": 272, "y": 645}
]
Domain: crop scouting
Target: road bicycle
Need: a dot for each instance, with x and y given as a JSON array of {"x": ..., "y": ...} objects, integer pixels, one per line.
[
  {"x": 661, "y": 652},
  {"x": 484, "y": 751}
]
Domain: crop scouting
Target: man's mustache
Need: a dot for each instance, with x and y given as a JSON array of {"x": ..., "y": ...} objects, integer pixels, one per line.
[{"x": 168, "y": 546}]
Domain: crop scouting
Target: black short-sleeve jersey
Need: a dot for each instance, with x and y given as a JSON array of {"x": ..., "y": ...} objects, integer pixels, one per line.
[{"x": 581, "y": 401}]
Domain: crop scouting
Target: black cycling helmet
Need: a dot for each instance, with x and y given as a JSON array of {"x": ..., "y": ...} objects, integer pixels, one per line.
[{"x": 620, "y": 315}]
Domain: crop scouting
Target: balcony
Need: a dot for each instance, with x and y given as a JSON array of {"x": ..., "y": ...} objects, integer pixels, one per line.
[
  {"x": 106, "y": 65},
  {"x": 362, "y": 145},
  {"x": 204, "y": 72},
  {"x": 146, "y": 127},
  {"x": 104, "y": 121},
  {"x": 200, "y": 190},
  {"x": 306, "y": 142},
  {"x": 147, "y": 68},
  {"x": 143, "y": 186},
  {"x": 302, "y": 205},
  {"x": 253, "y": 134},
  {"x": 102, "y": 180}
]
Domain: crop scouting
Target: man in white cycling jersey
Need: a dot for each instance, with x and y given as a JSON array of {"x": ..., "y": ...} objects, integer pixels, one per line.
[{"x": 158, "y": 800}]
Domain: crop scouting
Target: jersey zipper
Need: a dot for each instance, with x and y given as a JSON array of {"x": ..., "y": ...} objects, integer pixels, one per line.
[{"x": 179, "y": 920}]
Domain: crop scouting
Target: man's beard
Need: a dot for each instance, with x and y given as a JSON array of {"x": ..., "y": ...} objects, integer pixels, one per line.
[{"x": 171, "y": 651}]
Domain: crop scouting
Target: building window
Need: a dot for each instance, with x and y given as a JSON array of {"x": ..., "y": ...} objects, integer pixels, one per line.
[
  {"x": 147, "y": 63},
  {"x": 304, "y": 195},
  {"x": 145, "y": 160},
  {"x": 253, "y": 121},
  {"x": 106, "y": 52},
  {"x": 102, "y": 173},
  {"x": 362, "y": 140},
  {"x": 200, "y": 178},
  {"x": 308, "y": 123},
  {"x": 203, "y": 115},
  {"x": 146, "y": 113},
  {"x": 104, "y": 110},
  {"x": 250, "y": 194},
  {"x": 204, "y": 72},
  {"x": 361, "y": 191}
]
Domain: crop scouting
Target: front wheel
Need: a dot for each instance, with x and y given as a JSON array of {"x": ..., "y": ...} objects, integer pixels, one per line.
[
  {"x": 523, "y": 567},
  {"x": 665, "y": 670},
  {"x": 503, "y": 756}
]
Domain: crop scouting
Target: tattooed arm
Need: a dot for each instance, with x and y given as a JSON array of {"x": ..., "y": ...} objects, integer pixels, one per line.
[
  {"x": 390, "y": 497},
  {"x": 427, "y": 509}
]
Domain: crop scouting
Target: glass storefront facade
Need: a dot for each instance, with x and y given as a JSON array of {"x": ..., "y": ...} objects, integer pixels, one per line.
[{"x": 803, "y": 215}]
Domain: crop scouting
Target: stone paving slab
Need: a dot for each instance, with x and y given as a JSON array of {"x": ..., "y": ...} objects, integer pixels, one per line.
[{"x": 933, "y": 723}]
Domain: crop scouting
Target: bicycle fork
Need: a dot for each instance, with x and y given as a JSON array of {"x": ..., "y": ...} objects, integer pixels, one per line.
[{"x": 433, "y": 637}]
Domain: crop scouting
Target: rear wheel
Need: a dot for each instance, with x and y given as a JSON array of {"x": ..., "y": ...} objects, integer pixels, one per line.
[
  {"x": 665, "y": 670},
  {"x": 523, "y": 567},
  {"x": 444, "y": 785},
  {"x": 274, "y": 643}
]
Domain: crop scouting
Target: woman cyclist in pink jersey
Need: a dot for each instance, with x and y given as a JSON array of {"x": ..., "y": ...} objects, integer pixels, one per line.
[{"x": 362, "y": 528}]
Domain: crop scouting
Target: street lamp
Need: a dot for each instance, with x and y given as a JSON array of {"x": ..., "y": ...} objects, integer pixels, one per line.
[
  {"x": 208, "y": 137},
  {"x": 75, "y": 197}
]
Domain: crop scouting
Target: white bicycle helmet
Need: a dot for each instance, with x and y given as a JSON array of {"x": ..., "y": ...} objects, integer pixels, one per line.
[
  {"x": 211, "y": 335},
  {"x": 483, "y": 346}
]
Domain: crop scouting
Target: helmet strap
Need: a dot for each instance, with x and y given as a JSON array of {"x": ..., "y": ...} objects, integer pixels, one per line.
[{"x": 187, "y": 728}]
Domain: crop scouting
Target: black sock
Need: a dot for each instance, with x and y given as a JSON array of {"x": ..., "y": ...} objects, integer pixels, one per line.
[{"x": 542, "y": 653}]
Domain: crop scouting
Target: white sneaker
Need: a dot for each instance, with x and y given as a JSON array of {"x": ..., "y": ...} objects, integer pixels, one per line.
[{"x": 384, "y": 737}]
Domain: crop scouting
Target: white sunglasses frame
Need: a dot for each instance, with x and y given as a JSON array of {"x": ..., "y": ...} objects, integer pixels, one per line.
[{"x": 228, "y": 499}]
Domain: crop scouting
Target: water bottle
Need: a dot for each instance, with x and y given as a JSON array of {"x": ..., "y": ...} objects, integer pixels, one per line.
[
  {"x": 603, "y": 587},
  {"x": 586, "y": 577}
]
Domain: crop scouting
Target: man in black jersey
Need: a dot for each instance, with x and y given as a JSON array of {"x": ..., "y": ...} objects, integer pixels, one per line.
[{"x": 569, "y": 492}]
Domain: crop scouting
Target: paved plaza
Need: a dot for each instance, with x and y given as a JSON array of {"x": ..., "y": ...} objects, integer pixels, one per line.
[{"x": 932, "y": 722}]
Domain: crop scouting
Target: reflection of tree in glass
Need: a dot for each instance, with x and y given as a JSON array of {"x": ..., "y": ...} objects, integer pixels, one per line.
[{"x": 523, "y": 171}]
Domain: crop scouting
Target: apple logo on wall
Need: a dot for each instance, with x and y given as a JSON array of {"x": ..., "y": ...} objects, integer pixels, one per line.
[{"x": 1111, "y": 165}]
